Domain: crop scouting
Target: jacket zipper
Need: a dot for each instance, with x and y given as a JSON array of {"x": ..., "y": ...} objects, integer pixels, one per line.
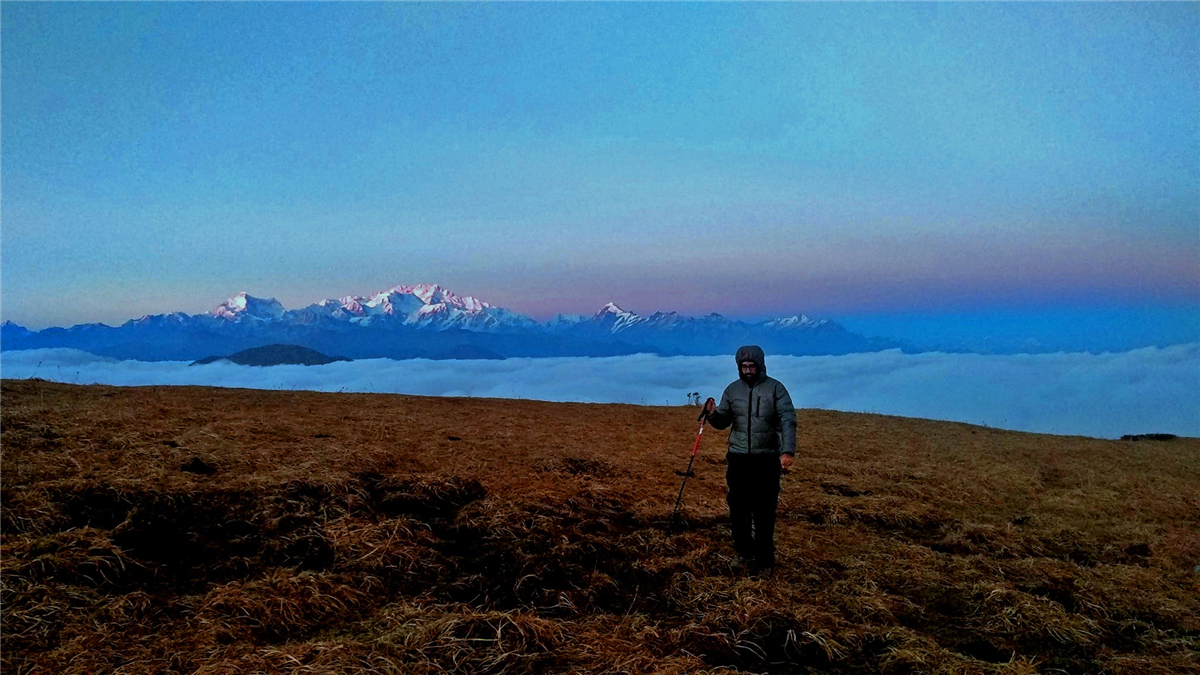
[{"x": 750, "y": 420}]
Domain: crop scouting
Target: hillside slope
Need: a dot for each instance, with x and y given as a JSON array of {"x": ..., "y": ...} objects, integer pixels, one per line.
[
  {"x": 164, "y": 529},
  {"x": 274, "y": 355}
]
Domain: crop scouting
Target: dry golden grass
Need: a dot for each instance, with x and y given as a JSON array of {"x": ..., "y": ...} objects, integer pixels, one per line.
[{"x": 193, "y": 530}]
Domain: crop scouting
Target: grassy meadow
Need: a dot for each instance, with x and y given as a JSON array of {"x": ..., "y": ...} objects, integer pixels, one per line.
[{"x": 201, "y": 530}]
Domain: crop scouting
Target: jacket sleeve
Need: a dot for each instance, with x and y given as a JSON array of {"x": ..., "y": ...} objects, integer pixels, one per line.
[
  {"x": 722, "y": 417},
  {"x": 787, "y": 421}
]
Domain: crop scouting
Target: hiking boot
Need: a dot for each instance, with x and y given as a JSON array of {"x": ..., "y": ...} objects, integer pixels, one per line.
[
  {"x": 742, "y": 564},
  {"x": 762, "y": 571}
]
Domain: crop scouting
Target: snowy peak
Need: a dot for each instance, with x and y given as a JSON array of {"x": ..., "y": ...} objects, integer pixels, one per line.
[
  {"x": 614, "y": 319},
  {"x": 424, "y": 306},
  {"x": 800, "y": 321},
  {"x": 350, "y": 304},
  {"x": 245, "y": 307},
  {"x": 394, "y": 302},
  {"x": 405, "y": 301},
  {"x": 611, "y": 308},
  {"x": 432, "y": 294},
  {"x": 172, "y": 319}
]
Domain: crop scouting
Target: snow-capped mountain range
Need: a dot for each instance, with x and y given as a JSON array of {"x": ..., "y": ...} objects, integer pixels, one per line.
[
  {"x": 428, "y": 320},
  {"x": 432, "y": 307},
  {"x": 423, "y": 306}
]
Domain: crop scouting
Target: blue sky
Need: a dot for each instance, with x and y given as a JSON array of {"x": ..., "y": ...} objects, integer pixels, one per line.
[{"x": 848, "y": 160}]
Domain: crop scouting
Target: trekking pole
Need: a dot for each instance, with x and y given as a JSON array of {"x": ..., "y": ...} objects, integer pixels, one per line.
[{"x": 688, "y": 473}]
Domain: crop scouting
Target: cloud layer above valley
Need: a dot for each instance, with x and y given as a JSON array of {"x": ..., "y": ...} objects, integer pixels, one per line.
[{"x": 1153, "y": 390}]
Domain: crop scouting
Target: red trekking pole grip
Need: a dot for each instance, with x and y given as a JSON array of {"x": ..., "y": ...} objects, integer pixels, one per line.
[{"x": 703, "y": 419}]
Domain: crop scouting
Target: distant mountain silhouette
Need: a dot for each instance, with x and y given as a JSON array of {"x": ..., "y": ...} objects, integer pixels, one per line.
[{"x": 275, "y": 355}]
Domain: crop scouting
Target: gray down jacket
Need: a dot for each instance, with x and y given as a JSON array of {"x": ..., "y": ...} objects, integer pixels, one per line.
[{"x": 762, "y": 414}]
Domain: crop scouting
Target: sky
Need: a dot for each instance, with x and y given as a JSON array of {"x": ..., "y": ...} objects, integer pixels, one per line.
[
  {"x": 1141, "y": 391},
  {"x": 879, "y": 163}
]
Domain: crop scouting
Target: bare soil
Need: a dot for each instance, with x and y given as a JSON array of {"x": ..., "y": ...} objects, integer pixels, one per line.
[{"x": 199, "y": 530}]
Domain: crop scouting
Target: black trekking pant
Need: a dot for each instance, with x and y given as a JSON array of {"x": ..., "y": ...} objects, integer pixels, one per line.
[{"x": 753, "y": 482}]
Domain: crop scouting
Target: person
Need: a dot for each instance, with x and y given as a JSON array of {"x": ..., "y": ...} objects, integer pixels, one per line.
[{"x": 762, "y": 446}]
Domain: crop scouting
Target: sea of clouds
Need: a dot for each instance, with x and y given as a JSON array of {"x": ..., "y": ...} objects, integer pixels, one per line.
[{"x": 1152, "y": 390}]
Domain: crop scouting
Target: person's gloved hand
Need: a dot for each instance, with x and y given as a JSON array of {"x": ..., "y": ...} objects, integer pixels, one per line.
[{"x": 709, "y": 406}]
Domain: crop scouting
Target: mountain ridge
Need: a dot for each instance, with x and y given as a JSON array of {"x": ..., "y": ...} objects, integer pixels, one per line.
[{"x": 429, "y": 321}]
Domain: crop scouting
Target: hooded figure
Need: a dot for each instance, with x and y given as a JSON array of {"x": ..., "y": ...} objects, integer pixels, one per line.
[{"x": 762, "y": 444}]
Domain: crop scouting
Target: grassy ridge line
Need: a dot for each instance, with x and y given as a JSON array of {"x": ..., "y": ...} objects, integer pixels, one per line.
[{"x": 188, "y": 529}]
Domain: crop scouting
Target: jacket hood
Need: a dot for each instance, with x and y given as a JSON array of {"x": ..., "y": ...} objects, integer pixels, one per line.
[{"x": 752, "y": 353}]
